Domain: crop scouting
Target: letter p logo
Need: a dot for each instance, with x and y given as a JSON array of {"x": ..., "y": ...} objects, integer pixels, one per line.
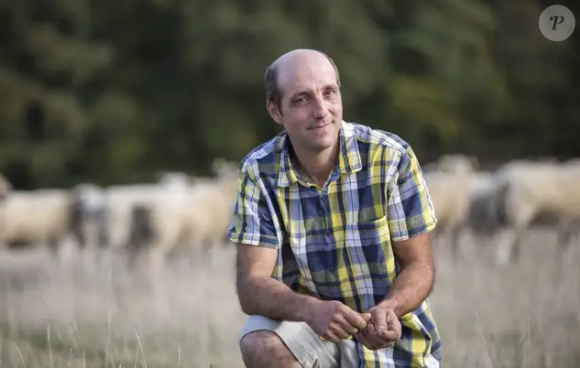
[
  {"x": 557, "y": 23},
  {"x": 558, "y": 19}
]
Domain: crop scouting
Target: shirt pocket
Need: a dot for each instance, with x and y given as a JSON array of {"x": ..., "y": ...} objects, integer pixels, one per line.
[{"x": 367, "y": 248}]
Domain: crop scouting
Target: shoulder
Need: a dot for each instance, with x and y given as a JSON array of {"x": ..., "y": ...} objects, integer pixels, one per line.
[
  {"x": 263, "y": 158},
  {"x": 371, "y": 139},
  {"x": 378, "y": 138}
]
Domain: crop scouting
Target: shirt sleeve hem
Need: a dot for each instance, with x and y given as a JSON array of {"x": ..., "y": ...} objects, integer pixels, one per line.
[
  {"x": 249, "y": 240},
  {"x": 417, "y": 231}
]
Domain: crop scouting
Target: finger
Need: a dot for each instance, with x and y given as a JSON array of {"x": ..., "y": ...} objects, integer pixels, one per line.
[
  {"x": 388, "y": 335},
  {"x": 355, "y": 319},
  {"x": 373, "y": 338},
  {"x": 339, "y": 332},
  {"x": 392, "y": 319},
  {"x": 380, "y": 318},
  {"x": 366, "y": 316},
  {"x": 332, "y": 337},
  {"x": 363, "y": 339},
  {"x": 343, "y": 322},
  {"x": 393, "y": 330}
]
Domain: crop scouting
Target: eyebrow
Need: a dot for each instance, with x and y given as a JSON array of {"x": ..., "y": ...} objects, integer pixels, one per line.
[
  {"x": 307, "y": 92},
  {"x": 300, "y": 93}
]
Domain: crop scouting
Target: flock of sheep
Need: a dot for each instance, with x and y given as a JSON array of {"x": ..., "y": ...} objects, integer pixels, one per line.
[
  {"x": 500, "y": 206},
  {"x": 147, "y": 222}
]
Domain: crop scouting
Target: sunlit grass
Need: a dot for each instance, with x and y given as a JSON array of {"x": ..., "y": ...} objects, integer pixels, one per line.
[{"x": 526, "y": 315}]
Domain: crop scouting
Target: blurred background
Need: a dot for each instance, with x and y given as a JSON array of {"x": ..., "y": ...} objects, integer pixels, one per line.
[
  {"x": 116, "y": 92},
  {"x": 110, "y": 91}
]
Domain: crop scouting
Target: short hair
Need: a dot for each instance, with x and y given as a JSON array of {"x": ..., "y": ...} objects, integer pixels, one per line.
[{"x": 273, "y": 94}]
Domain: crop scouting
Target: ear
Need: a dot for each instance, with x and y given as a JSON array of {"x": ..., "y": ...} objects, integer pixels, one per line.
[{"x": 274, "y": 112}]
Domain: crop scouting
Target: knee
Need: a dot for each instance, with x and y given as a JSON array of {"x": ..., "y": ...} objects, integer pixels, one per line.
[{"x": 260, "y": 346}]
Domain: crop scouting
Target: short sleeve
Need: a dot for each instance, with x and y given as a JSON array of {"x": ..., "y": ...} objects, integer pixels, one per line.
[
  {"x": 410, "y": 208},
  {"x": 252, "y": 223}
]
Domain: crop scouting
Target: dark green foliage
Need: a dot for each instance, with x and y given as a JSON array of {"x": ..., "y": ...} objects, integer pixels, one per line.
[{"x": 113, "y": 91}]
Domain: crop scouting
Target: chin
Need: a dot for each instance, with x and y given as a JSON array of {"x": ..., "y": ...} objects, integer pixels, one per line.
[{"x": 324, "y": 144}]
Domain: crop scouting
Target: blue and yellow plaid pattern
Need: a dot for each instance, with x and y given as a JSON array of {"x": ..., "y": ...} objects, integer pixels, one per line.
[{"x": 334, "y": 242}]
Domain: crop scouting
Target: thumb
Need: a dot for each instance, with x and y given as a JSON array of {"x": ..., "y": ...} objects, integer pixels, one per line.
[
  {"x": 392, "y": 320},
  {"x": 367, "y": 317},
  {"x": 380, "y": 319},
  {"x": 392, "y": 330}
]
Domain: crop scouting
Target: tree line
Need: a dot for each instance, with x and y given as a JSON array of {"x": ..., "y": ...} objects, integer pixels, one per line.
[{"x": 114, "y": 91}]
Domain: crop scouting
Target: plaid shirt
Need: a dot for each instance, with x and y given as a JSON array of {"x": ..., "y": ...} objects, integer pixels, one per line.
[{"x": 335, "y": 241}]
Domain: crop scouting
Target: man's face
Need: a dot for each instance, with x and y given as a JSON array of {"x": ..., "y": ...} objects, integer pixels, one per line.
[{"x": 311, "y": 105}]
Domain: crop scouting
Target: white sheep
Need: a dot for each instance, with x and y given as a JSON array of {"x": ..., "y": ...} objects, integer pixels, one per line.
[
  {"x": 89, "y": 216},
  {"x": 5, "y": 187},
  {"x": 449, "y": 188},
  {"x": 482, "y": 215},
  {"x": 107, "y": 211},
  {"x": 199, "y": 216},
  {"x": 174, "y": 179},
  {"x": 529, "y": 192},
  {"x": 175, "y": 221},
  {"x": 35, "y": 217}
]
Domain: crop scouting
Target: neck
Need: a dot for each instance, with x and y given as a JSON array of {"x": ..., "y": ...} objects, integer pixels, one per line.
[{"x": 316, "y": 166}]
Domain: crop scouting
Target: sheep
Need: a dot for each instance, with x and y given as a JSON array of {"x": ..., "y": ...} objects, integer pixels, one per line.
[
  {"x": 88, "y": 224},
  {"x": 106, "y": 212},
  {"x": 199, "y": 215},
  {"x": 173, "y": 221},
  {"x": 529, "y": 192},
  {"x": 172, "y": 179},
  {"x": 5, "y": 187},
  {"x": 449, "y": 191},
  {"x": 33, "y": 217},
  {"x": 482, "y": 215}
]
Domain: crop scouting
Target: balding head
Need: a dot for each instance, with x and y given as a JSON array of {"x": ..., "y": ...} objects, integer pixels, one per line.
[
  {"x": 303, "y": 95},
  {"x": 286, "y": 65}
]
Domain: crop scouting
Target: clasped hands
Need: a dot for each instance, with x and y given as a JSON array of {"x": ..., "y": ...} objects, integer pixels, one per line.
[{"x": 376, "y": 329}]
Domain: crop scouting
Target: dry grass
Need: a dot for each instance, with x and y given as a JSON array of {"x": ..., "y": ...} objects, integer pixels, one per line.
[{"x": 523, "y": 316}]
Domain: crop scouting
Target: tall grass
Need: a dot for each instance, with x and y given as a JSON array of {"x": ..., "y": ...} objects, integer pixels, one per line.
[{"x": 527, "y": 315}]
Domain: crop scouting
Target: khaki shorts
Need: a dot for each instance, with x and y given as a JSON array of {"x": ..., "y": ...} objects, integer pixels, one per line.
[{"x": 305, "y": 344}]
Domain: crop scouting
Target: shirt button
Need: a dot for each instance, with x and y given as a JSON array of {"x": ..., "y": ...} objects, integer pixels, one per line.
[{"x": 328, "y": 232}]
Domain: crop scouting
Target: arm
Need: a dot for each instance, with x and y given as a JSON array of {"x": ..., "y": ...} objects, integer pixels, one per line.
[
  {"x": 254, "y": 231},
  {"x": 259, "y": 293},
  {"x": 411, "y": 218},
  {"x": 415, "y": 281}
]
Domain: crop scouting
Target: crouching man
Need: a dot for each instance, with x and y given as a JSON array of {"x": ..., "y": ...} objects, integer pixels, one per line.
[{"x": 331, "y": 224}]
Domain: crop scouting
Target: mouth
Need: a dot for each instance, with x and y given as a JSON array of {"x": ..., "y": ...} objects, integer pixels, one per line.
[{"x": 319, "y": 127}]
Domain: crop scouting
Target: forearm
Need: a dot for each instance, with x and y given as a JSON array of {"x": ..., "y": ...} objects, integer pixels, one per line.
[
  {"x": 410, "y": 288},
  {"x": 272, "y": 298}
]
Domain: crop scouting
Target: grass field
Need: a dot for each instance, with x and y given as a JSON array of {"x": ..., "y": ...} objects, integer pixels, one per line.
[{"x": 526, "y": 315}]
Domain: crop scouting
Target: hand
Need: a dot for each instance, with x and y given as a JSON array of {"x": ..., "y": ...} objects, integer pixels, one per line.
[
  {"x": 334, "y": 321},
  {"x": 383, "y": 330}
]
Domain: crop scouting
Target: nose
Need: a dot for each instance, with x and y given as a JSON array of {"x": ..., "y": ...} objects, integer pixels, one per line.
[{"x": 319, "y": 109}]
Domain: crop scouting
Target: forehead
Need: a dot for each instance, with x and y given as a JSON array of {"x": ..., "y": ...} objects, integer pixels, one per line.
[{"x": 306, "y": 73}]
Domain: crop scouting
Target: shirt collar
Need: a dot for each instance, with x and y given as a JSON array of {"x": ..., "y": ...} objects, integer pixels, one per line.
[{"x": 349, "y": 160}]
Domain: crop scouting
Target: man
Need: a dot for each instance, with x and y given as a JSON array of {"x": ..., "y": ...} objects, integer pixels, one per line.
[{"x": 332, "y": 221}]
